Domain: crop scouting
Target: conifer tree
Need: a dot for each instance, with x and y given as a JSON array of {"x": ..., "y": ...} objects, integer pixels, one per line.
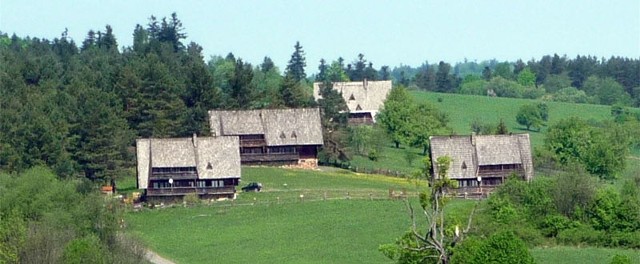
[{"x": 296, "y": 65}]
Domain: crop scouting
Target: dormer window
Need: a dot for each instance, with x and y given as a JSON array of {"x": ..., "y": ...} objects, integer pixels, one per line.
[
  {"x": 282, "y": 135},
  {"x": 464, "y": 165},
  {"x": 293, "y": 134},
  {"x": 352, "y": 98},
  {"x": 358, "y": 108},
  {"x": 209, "y": 166}
]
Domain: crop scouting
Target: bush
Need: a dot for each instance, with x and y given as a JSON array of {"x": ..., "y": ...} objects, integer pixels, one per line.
[
  {"x": 620, "y": 259},
  {"x": 501, "y": 247},
  {"x": 191, "y": 199},
  {"x": 84, "y": 250},
  {"x": 554, "y": 224},
  {"x": 373, "y": 155},
  {"x": 582, "y": 234}
]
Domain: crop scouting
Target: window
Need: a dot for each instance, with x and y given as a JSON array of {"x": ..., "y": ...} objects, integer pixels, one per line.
[
  {"x": 293, "y": 134},
  {"x": 464, "y": 165},
  {"x": 358, "y": 108},
  {"x": 209, "y": 166}
]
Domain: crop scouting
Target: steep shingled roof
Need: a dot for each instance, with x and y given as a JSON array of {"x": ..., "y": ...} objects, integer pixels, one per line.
[
  {"x": 221, "y": 152},
  {"x": 481, "y": 150},
  {"x": 280, "y": 127},
  {"x": 365, "y": 96}
]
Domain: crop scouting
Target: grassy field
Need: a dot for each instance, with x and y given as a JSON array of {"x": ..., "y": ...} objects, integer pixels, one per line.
[
  {"x": 289, "y": 230},
  {"x": 571, "y": 255},
  {"x": 463, "y": 109}
]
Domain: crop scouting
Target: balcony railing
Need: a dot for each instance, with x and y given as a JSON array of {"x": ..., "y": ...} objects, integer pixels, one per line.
[
  {"x": 268, "y": 157},
  {"x": 500, "y": 173},
  {"x": 174, "y": 175},
  {"x": 252, "y": 142},
  {"x": 188, "y": 190}
]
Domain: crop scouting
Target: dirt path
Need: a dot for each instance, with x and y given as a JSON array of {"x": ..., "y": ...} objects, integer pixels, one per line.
[{"x": 153, "y": 257}]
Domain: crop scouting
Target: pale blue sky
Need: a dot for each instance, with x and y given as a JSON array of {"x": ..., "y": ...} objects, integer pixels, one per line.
[{"x": 387, "y": 32}]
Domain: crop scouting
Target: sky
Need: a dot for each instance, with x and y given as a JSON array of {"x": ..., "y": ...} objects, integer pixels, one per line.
[{"x": 392, "y": 33}]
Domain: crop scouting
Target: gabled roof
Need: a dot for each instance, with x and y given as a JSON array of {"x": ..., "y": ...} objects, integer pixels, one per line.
[
  {"x": 481, "y": 150},
  {"x": 280, "y": 127},
  {"x": 368, "y": 95},
  {"x": 221, "y": 152}
]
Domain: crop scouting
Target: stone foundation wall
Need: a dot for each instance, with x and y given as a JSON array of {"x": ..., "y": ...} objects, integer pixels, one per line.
[{"x": 308, "y": 164}]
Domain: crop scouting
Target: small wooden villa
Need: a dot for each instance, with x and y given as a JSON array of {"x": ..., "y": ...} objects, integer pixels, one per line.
[
  {"x": 272, "y": 136},
  {"x": 364, "y": 99},
  {"x": 174, "y": 167},
  {"x": 482, "y": 162}
]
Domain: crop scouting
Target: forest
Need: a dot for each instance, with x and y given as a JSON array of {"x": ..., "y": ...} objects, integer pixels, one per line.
[{"x": 72, "y": 111}]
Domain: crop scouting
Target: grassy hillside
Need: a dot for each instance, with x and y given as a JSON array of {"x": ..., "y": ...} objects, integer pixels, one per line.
[
  {"x": 337, "y": 230},
  {"x": 463, "y": 109}
]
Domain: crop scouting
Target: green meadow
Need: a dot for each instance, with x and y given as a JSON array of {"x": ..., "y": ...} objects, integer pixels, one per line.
[
  {"x": 313, "y": 230},
  {"x": 464, "y": 109},
  {"x": 277, "y": 226}
]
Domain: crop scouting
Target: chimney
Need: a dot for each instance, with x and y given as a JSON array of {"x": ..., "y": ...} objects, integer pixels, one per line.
[
  {"x": 473, "y": 138},
  {"x": 194, "y": 139},
  {"x": 365, "y": 83}
]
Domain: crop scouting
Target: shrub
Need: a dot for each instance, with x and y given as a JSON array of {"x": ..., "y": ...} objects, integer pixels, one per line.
[
  {"x": 84, "y": 250},
  {"x": 501, "y": 247},
  {"x": 582, "y": 234},
  {"x": 554, "y": 224},
  {"x": 373, "y": 155},
  {"x": 620, "y": 259},
  {"x": 191, "y": 199}
]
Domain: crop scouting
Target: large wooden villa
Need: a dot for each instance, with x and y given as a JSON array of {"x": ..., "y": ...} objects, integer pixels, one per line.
[
  {"x": 174, "y": 167},
  {"x": 364, "y": 99},
  {"x": 272, "y": 136},
  {"x": 482, "y": 162}
]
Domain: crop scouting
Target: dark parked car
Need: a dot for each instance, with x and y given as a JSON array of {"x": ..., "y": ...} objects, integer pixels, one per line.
[{"x": 252, "y": 187}]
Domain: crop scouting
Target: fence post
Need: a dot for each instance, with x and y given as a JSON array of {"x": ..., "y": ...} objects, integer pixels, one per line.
[
  {"x": 370, "y": 197},
  {"x": 348, "y": 197},
  {"x": 278, "y": 199},
  {"x": 324, "y": 196},
  {"x": 301, "y": 197}
]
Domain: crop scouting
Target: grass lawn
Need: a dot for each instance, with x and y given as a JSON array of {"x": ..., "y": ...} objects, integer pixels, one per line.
[
  {"x": 314, "y": 231},
  {"x": 289, "y": 230},
  {"x": 463, "y": 109},
  {"x": 570, "y": 255}
]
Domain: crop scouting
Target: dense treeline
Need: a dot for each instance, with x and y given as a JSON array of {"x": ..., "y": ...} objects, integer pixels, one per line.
[
  {"x": 583, "y": 79},
  {"x": 77, "y": 108}
]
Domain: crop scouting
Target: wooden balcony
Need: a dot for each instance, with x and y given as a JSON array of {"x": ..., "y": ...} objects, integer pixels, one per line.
[
  {"x": 360, "y": 121},
  {"x": 268, "y": 157},
  {"x": 500, "y": 173},
  {"x": 176, "y": 191},
  {"x": 174, "y": 175},
  {"x": 252, "y": 143},
  {"x": 472, "y": 191}
]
